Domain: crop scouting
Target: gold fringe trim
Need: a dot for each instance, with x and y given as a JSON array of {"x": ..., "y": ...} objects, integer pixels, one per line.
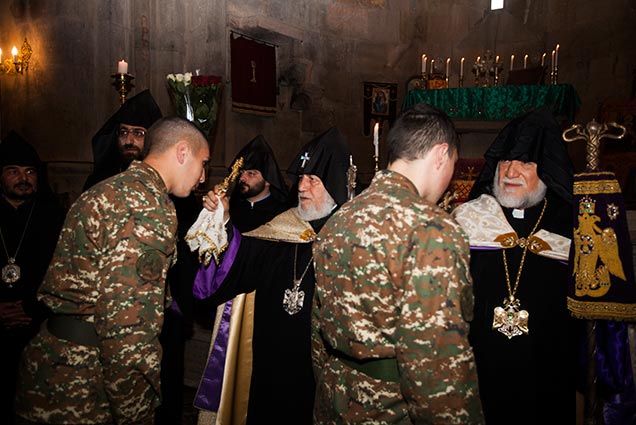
[
  {"x": 601, "y": 310},
  {"x": 596, "y": 187}
]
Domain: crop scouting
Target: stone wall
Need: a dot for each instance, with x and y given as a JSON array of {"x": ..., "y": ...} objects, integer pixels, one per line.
[{"x": 326, "y": 50}]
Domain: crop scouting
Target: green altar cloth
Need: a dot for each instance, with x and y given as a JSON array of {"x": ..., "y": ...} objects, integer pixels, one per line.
[{"x": 499, "y": 103}]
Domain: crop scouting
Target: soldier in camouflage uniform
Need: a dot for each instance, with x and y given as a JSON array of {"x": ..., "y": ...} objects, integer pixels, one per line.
[
  {"x": 96, "y": 360},
  {"x": 393, "y": 292}
]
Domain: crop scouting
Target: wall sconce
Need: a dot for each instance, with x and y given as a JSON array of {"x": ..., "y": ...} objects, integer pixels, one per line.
[{"x": 19, "y": 61}]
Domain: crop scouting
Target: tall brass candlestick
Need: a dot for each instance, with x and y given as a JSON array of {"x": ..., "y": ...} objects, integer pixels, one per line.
[{"x": 123, "y": 84}]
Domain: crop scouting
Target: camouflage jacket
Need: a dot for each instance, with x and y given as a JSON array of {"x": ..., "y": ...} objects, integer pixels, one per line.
[
  {"x": 109, "y": 268},
  {"x": 392, "y": 282}
]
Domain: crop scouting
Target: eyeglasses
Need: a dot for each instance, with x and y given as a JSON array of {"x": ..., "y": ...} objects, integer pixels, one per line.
[{"x": 136, "y": 132}]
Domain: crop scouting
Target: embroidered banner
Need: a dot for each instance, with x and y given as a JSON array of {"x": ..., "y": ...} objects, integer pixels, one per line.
[
  {"x": 253, "y": 76},
  {"x": 602, "y": 278}
]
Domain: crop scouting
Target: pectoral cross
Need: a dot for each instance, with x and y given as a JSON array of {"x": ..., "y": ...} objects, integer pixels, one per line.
[
  {"x": 304, "y": 158},
  {"x": 253, "y": 80}
]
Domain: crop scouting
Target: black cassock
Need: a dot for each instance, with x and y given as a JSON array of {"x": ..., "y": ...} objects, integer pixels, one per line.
[
  {"x": 528, "y": 379},
  {"x": 282, "y": 383}
]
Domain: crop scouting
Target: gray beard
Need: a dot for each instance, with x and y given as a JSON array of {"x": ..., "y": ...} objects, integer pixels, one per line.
[
  {"x": 317, "y": 212},
  {"x": 528, "y": 200}
]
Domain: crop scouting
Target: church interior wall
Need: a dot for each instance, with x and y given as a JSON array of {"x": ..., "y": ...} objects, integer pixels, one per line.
[{"x": 326, "y": 50}]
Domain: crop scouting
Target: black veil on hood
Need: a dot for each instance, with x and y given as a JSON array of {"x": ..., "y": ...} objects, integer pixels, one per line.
[
  {"x": 532, "y": 137},
  {"x": 140, "y": 110},
  {"x": 15, "y": 150},
  {"x": 258, "y": 155},
  {"x": 326, "y": 156}
]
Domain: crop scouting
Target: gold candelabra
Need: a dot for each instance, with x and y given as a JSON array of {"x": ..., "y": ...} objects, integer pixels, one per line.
[
  {"x": 123, "y": 84},
  {"x": 19, "y": 61},
  {"x": 485, "y": 67}
]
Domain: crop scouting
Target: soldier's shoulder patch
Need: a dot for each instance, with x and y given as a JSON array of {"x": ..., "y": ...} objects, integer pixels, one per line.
[
  {"x": 467, "y": 302},
  {"x": 150, "y": 265}
]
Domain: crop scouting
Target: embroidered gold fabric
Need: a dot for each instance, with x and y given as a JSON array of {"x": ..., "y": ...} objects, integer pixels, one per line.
[{"x": 285, "y": 227}]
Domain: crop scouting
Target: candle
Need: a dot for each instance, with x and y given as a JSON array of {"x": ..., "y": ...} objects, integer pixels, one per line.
[
  {"x": 556, "y": 55},
  {"x": 376, "y": 142},
  {"x": 496, "y": 60},
  {"x": 432, "y": 64},
  {"x": 0, "y": 56},
  {"x": 512, "y": 62},
  {"x": 424, "y": 64},
  {"x": 552, "y": 63},
  {"x": 14, "y": 53},
  {"x": 461, "y": 68},
  {"x": 122, "y": 67},
  {"x": 543, "y": 58},
  {"x": 447, "y": 67},
  {"x": 525, "y": 61}
]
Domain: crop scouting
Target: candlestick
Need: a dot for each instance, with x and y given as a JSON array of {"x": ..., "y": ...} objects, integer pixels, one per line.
[
  {"x": 552, "y": 62},
  {"x": 543, "y": 58},
  {"x": 376, "y": 145},
  {"x": 122, "y": 83},
  {"x": 461, "y": 68},
  {"x": 424, "y": 64},
  {"x": 512, "y": 62},
  {"x": 376, "y": 141},
  {"x": 122, "y": 67},
  {"x": 525, "y": 61}
]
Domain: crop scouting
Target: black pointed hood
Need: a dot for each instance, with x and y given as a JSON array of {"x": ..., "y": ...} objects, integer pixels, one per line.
[
  {"x": 533, "y": 137},
  {"x": 140, "y": 110},
  {"x": 326, "y": 156},
  {"x": 258, "y": 155}
]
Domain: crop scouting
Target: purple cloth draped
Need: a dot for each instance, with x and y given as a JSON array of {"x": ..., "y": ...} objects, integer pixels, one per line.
[
  {"x": 207, "y": 281},
  {"x": 210, "y": 277},
  {"x": 615, "y": 372}
]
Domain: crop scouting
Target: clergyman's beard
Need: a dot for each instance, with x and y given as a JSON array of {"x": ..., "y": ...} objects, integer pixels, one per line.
[
  {"x": 315, "y": 212},
  {"x": 130, "y": 153},
  {"x": 248, "y": 191},
  {"x": 19, "y": 195},
  {"x": 527, "y": 200}
]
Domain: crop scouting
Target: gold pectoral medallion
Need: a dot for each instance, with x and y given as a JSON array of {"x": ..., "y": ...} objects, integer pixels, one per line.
[
  {"x": 509, "y": 319},
  {"x": 294, "y": 299},
  {"x": 11, "y": 272}
]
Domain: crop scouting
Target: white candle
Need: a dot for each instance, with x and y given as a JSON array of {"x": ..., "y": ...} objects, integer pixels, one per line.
[
  {"x": 14, "y": 53},
  {"x": 424, "y": 63},
  {"x": 543, "y": 58},
  {"x": 122, "y": 67},
  {"x": 461, "y": 68},
  {"x": 556, "y": 55},
  {"x": 553, "y": 63},
  {"x": 512, "y": 62},
  {"x": 432, "y": 65},
  {"x": 376, "y": 141},
  {"x": 525, "y": 61},
  {"x": 496, "y": 60},
  {"x": 447, "y": 67},
  {"x": 0, "y": 56}
]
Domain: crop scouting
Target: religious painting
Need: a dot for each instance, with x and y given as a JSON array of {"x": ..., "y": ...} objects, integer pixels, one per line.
[
  {"x": 380, "y": 102},
  {"x": 253, "y": 71}
]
